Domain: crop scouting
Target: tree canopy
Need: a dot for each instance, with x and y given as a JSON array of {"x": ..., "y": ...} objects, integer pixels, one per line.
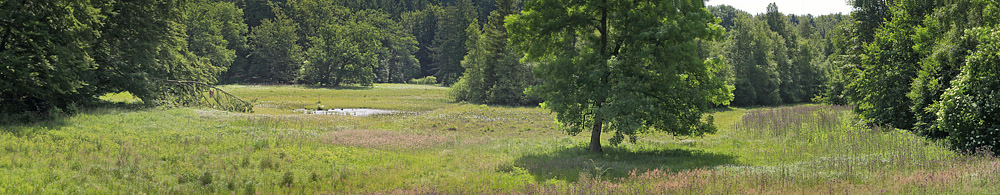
[{"x": 630, "y": 65}]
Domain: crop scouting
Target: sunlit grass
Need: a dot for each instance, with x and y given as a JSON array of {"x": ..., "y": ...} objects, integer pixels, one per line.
[
  {"x": 443, "y": 146},
  {"x": 284, "y": 99},
  {"x": 123, "y": 97}
]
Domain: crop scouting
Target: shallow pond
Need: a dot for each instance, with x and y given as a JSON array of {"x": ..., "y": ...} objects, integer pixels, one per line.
[{"x": 348, "y": 111}]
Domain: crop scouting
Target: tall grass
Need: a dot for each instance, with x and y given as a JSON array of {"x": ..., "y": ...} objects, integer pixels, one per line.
[{"x": 445, "y": 147}]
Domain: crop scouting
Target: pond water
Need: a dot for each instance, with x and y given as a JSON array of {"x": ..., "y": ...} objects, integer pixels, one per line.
[{"x": 348, "y": 111}]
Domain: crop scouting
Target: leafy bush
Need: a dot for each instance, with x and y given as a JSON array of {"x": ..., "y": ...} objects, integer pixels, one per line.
[
  {"x": 970, "y": 109},
  {"x": 429, "y": 80}
]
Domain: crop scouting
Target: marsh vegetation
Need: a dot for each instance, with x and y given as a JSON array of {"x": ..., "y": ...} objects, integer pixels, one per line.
[{"x": 444, "y": 147}]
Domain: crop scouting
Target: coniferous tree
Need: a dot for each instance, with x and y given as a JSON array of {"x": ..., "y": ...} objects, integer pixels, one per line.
[
  {"x": 449, "y": 41},
  {"x": 493, "y": 74}
]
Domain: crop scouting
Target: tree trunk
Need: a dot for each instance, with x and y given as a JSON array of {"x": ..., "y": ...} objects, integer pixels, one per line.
[
  {"x": 340, "y": 75},
  {"x": 595, "y": 136},
  {"x": 595, "y": 132}
]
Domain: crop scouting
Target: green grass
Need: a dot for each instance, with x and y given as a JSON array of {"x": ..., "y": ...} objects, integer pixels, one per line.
[{"x": 443, "y": 146}]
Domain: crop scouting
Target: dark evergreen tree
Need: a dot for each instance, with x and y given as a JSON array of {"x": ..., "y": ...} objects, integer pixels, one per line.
[
  {"x": 448, "y": 48},
  {"x": 493, "y": 71}
]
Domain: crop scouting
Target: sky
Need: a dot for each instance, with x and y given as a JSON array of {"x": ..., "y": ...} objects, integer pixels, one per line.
[{"x": 797, "y": 7}]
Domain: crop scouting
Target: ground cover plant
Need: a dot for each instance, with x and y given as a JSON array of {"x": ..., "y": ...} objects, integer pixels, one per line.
[{"x": 439, "y": 146}]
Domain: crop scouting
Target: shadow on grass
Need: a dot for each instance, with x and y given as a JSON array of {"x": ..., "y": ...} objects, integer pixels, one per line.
[
  {"x": 30, "y": 123},
  {"x": 616, "y": 162}
]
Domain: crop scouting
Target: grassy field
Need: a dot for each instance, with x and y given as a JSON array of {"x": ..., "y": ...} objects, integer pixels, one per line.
[{"x": 439, "y": 146}]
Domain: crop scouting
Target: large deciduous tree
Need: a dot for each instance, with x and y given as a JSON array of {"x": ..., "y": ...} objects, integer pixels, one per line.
[
  {"x": 632, "y": 66},
  {"x": 276, "y": 55},
  {"x": 215, "y": 30},
  {"x": 344, "y": 53},
  {"x": 888, "y": 67},
  {"x": 57, "y": 53},
  {"x": 45, "y": 53}
]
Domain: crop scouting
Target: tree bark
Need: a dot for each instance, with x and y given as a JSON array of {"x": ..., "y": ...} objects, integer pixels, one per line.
[{"x": 595, "y": 132}]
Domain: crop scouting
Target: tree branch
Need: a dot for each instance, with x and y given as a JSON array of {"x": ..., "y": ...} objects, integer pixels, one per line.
[{"x": 204, "y": 84}]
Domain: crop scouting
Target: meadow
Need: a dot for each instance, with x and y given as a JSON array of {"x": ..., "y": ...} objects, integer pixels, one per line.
[{"x": 436, "y": 145}]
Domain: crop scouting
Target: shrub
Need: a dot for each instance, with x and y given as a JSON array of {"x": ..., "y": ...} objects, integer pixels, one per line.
[
  {"x": 206, "y": 178},
  {"x": 970, "y": 109},
  {"x": 288, "y": 179},
  {"x": 429, "y": 80}
]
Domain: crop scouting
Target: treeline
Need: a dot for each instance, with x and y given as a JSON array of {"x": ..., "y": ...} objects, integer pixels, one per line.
[
  {"x": 62, "y": 53},
  {"x": 58, "y": 54},
  {"x": 774, "y": 58},
  {"x": 929, "y": 66},
  {"x": 335, "y": 42}
]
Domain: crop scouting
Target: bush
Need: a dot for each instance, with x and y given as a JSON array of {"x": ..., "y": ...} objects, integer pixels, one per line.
[
  {"x": 429, "y": 80},
  {"x": 970, "y": 109}
]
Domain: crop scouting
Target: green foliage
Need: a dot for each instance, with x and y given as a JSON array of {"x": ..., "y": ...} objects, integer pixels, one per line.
[
  {"x": 59, "y": 53},
  {"x": 886, "y": 70},
  {"x": 942, "y": 40},
  {"x": 345, "y": 53},
  {"x": 428, "y": 80},
  {"x": 868, "y": 16},
  {"x": 423, "y": 25},
  {"x": 472, "y": 85},
  {"x": 727, "y": 14},
  {"x": 198, "y": 94},
  {"x": 600, "y": 64},
  {"x": 276, "y": 56},
  {"x": 493, "y": 71},
  {"x": 256, "y": 11},
  {"x": 397, "y": 62},
  {"x": 749, "y": 48},
  {"x": 448, "y": 48},
  {"x": 215, "y": 30},
  {"x": 969, "y": 110},
  {"x": 774, "y": 58},
  {"x": 45, "y": 47},
  {"x": 353, "y": 46},
  {"x": 941, "y": 56}
]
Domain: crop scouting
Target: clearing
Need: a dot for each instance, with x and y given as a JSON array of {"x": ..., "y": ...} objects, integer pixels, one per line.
[{"x": 435, "y": 145}]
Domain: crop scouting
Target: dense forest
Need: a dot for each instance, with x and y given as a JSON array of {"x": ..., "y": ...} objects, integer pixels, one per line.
[{"x": 926, "y": 66}]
